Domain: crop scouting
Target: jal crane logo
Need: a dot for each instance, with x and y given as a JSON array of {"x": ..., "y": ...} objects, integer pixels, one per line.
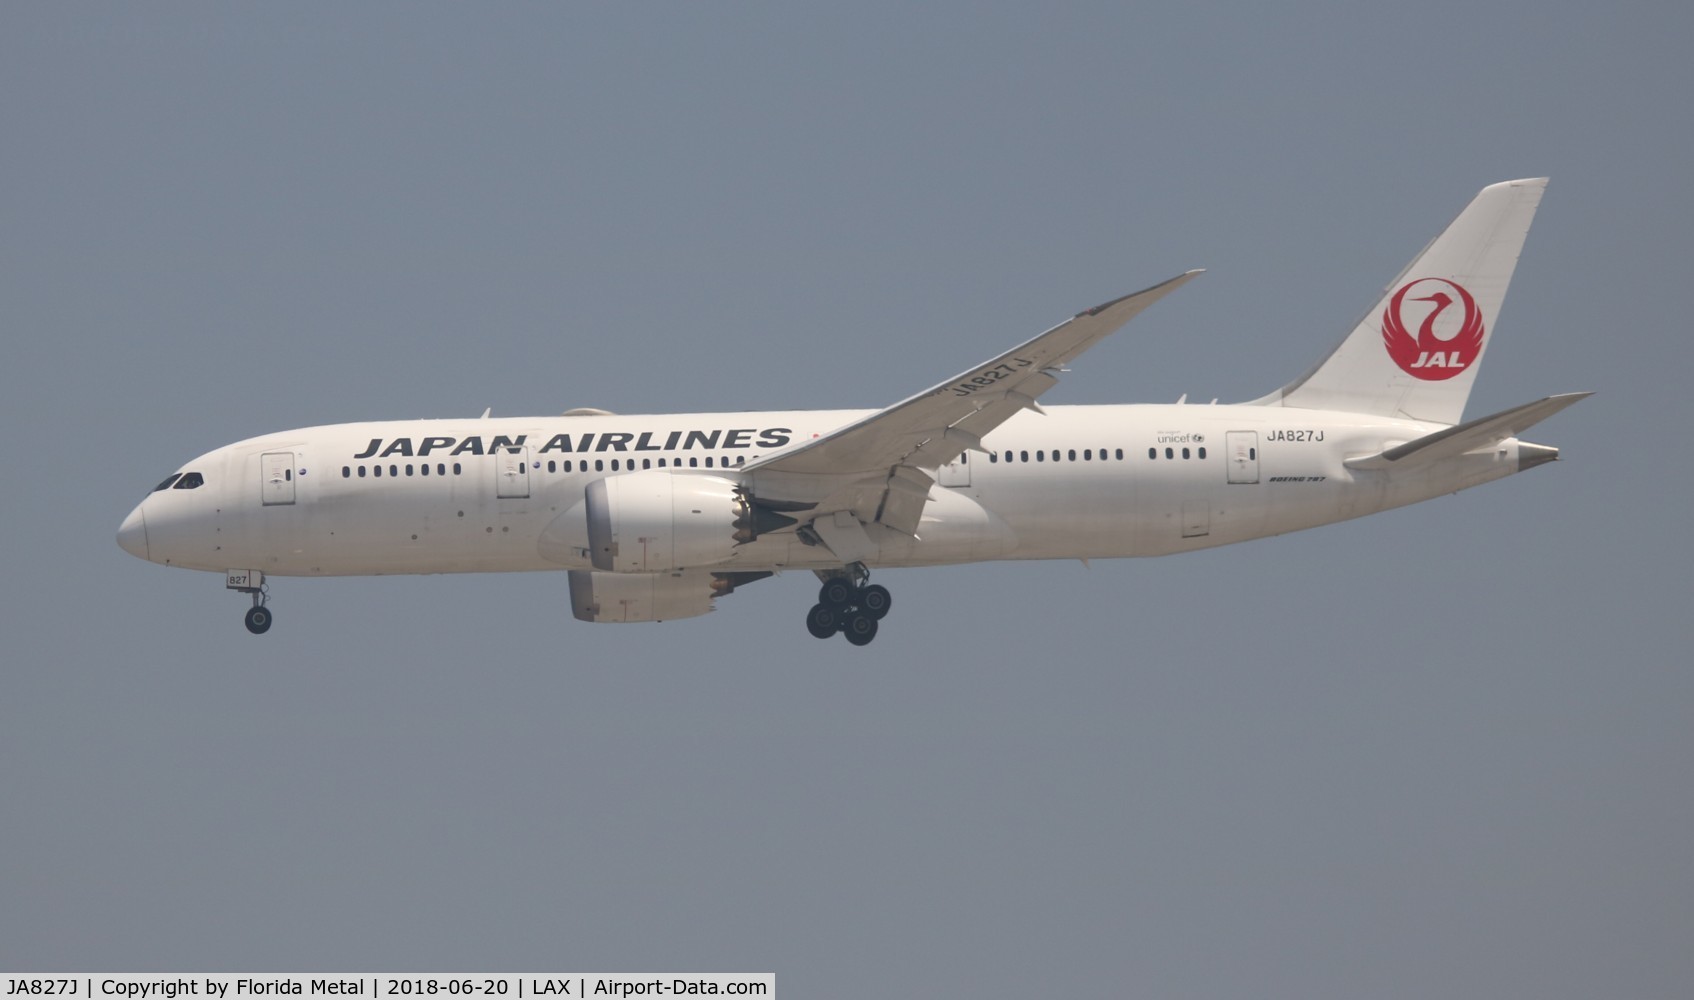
[{"x": 1448, "y": 340}]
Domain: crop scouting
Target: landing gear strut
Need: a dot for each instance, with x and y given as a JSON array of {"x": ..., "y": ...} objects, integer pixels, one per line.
[
  {"x": 252, "y": 582},
  {"x": 850, "y": 605}
]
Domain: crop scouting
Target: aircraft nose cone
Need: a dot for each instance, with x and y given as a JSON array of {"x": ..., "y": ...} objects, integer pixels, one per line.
[{"x": 132, "y": 534}]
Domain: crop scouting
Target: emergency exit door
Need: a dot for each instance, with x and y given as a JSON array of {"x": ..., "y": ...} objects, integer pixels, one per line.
[
  {"x": 1243, "y": 450},
  {"x": 511, "y": 473},
  {"x": 276, "y": 478},
  {"x": 957, "y": 472}
]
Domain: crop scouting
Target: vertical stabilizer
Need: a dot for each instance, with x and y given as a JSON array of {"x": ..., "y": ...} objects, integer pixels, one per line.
[{"x": 1415, "y": 354}]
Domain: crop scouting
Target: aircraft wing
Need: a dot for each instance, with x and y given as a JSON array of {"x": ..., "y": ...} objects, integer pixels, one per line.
[{"x": 880, "y": 468}]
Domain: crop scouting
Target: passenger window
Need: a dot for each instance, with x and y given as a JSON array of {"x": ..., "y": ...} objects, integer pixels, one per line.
[
  {"x": 993, "y": 457},
  {"x": 376, "y": 470},
  {"x": 1152, "y": 453},
  {"x": 1041, "y": 456},
  {"x": 423, "y": 470},
  {"x": 1253, "y": 453},
  {"x": 694, "y": 463},
  {"x": 599, "y": 465},
  {"x": 646, "y": 463},
  {"x": 1008, "y": 458},
  {"x": 1023, "y": 456},
  {"x": 708, "y": 461},
  {"x": 1202, "y": 453},
  {"x": 1072, "y": 455},
  {"x": 1170, "y": 452},
  {"x": 394, "y": 470},
  {"x": 1120, "y": 454},
  {"x": 346, "y": 473},
  {"x": 1185, "y": 453},
  {"x": 361, "y": 472},
  {"x": 1088, "y": 454},
  {"x": 614, "y": 465},
  {"x": 408, "y": 468},
  {"x": 458, "y": 469}
]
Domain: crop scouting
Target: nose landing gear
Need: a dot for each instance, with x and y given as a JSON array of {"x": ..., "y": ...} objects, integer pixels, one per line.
[
  {"x": 850, "y": 605},
  {"x": 252, "y": 581},
  {"x": 258, "y": 617}
]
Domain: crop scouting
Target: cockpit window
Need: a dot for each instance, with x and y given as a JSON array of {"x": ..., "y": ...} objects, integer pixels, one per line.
[
  {"x": 190, "y": 481},
  {"x": 173, "y": 477}
]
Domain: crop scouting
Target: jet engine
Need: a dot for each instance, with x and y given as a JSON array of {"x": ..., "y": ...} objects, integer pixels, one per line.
[
  {"x": 650, "y": 597},
  {"x": 658, "y": 521}
]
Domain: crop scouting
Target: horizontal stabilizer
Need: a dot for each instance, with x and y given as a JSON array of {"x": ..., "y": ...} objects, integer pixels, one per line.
[{"x": 1479, "y": 433}]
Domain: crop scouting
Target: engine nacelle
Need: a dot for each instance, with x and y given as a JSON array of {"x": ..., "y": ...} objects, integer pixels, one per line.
[
  {"x": 638, "y": 597},
  {"x": 650, "y": 597},
  {"x": 655, "y": 522}
]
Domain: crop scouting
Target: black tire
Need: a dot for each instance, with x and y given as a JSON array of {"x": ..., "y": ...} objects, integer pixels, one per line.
[
  {"x": 823, "y": 621},
  {"x": 874, "y": 601},
  {"x": 258, "y": 620},
  {"x": 836, "y": 592},
  {"x": 859, "y": 629}
]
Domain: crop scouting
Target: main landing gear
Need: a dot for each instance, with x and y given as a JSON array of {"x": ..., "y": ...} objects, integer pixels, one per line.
[
  {"x": 849, "y": 605},
  {"x": 252, "y": 582}
]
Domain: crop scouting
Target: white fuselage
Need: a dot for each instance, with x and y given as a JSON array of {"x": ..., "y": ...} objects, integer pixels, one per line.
[{"x": 500, "y": 495}]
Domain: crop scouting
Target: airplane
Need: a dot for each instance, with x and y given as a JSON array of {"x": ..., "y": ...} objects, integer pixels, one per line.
[{"x": 654, "y": 517}]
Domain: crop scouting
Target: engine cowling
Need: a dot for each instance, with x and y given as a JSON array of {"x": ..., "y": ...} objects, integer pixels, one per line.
[
  {"x": 655, "y": 521},
  {"x": 650, "y": 597}
]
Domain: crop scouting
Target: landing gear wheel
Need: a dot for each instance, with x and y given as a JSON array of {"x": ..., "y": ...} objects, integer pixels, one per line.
[
  {"x": 823, "y": 621},
  {"x": 836, "y": 592},
  {"x": 874, "y": 601},
  {"x": 258, "y": 619},
  {"x": 859, "y": 629}
]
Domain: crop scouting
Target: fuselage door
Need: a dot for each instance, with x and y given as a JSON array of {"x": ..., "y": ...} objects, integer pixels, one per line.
[
  {"x": 957, "y": 472},
  {"x": 511, "y": 473},
  {"x": 276, "y": 478},
  {"x": 1243, "y": 448}
]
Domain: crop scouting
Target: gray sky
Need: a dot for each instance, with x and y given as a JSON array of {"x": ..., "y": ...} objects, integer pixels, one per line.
[{"x": 1439, "y": 752}]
